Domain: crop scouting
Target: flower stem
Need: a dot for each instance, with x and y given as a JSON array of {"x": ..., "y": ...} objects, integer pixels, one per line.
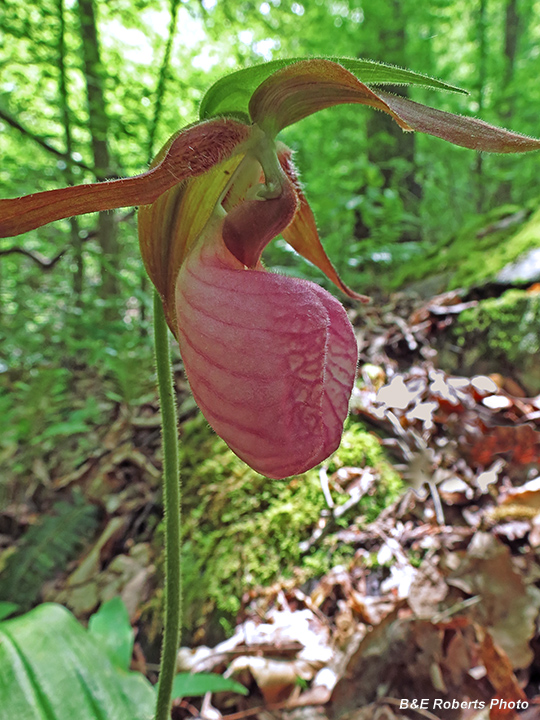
[{"x": 172, "y": 513}]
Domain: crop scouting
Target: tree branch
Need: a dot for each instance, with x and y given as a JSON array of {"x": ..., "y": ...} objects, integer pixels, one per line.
[
  {"x": 41, "y": 260},
  {"x": 41, "y": 141},
  {"x": 48, "y": 263}
]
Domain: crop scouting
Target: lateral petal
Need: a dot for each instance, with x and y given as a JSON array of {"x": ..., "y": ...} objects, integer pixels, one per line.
[
  {"x": 467, "y": 132},
  {"x": 191, "y": 152},
  {"x": 302, "y": 233}
]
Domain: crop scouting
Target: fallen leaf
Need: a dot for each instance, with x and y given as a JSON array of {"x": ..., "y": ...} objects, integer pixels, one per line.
[{"x": 509, "y": 607}]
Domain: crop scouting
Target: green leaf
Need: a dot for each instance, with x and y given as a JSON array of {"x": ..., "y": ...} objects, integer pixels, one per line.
[
  {"x": 112, "y": 630},
  {"x": 196, "y": 684},
  {"x": 230, "y": 95},
  {"x": 52, "y": 669},
  {"x": 63, "y": 428},
  {"x": 7, "y": 609}
]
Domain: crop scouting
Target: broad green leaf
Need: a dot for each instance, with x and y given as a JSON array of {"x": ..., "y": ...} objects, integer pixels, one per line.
[
  {"x": 69, "y": 427},
  {"x": 196, "y": 684},
  {"x": 7, "y": 609},
  {"x": 52, "y": 669},
  {"x": 112, "y": 630},
  {"x": 230, "y": 95}
]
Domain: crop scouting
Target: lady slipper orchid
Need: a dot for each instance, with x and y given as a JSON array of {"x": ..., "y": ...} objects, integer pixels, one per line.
[{"x": 270, "y": 359}]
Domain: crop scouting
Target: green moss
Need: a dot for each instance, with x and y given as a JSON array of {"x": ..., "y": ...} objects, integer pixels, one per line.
[
  {"x": 472, "y": 257},
  {"x": 360, "y": 448},
  {"x": 502, "y": 335},
  {"x": 509, "y": 325},
  {"x": 242, "y": 529},
  {"x": 483, "y": 258}
]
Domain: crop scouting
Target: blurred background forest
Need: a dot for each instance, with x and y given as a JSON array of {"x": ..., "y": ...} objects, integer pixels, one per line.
[{"x": 90, "y": 90}]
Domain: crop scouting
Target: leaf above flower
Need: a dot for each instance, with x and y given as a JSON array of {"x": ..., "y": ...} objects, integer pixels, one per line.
[
  {"x": 231, "y": 94},
  {"x": 299, "y": 90},
  {"x": 290, "y": 90}
]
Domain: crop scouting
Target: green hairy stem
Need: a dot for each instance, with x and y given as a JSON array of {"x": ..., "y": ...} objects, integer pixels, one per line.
[{"x": 172, "y": 512}]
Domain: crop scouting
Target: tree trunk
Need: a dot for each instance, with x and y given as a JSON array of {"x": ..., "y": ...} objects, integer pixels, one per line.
[
  {"x": 158, "y": 106},
  {"x": 76, "y": 240},
  {"x": 480, "y": 89},
  {"x": 98, "y": 124},
  {"x": 385, "y": 28},
  {"x": 512, "y": 28}
]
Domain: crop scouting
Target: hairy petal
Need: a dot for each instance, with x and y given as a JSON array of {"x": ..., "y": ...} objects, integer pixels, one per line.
[
  {"x": 190, "y": 153},
  {"x": 464, "y": 131},
  {"x": 302, "y": 233},
  {"x": 271, "y": 360}
]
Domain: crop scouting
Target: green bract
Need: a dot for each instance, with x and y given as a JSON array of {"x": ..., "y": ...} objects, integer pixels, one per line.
[{"x": 231, "y": 94}]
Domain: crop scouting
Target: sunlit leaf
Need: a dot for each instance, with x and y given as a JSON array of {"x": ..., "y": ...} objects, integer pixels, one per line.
[
  {"x": 111, "y": 628},
  {"x": 197, "y": 684},
  {"x": 50, "y": 667},
  {"x": 7, "y": 609}
]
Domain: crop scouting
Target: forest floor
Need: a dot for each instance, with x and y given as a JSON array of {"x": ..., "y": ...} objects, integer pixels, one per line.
[{"x": 436, "y": 613}]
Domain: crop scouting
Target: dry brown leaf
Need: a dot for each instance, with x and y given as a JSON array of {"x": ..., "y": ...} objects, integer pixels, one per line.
[
  {"x": 500, "y": 674},
  {"x": 509, "y": 607},
  {"x": 427, "y": 590},
  {"x": 527, "y": 495},
  {"x": 372, "y": 610},
  {"x": 276, "y": 679}
]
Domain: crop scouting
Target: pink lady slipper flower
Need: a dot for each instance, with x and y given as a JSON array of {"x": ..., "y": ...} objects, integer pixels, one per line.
[{"x": 271, "y": 360}]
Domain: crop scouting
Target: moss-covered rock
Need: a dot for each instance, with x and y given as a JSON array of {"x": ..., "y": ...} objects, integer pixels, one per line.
[
  {"x": 503, "y": 335},
  {"x": 242, "y": 530},
  {"x": 478, "y": 253}
]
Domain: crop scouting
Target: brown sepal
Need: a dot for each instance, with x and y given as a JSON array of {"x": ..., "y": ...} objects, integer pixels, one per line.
[{"x": 302, "y": 233}]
